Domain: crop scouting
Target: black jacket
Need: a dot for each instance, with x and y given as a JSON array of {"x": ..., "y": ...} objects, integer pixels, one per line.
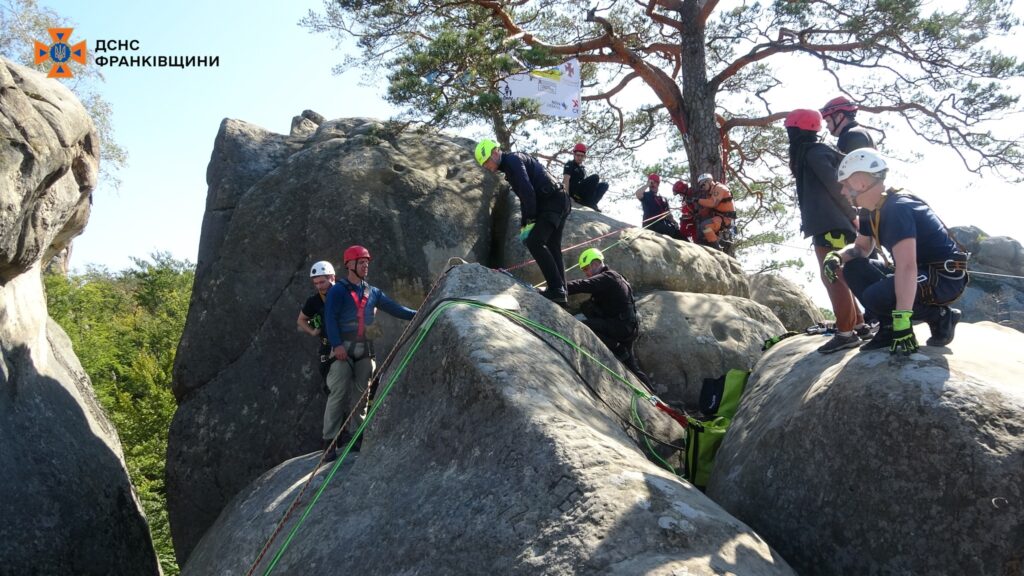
[
  {"x": 536, "y": 190},
  {"x": 822, "y": 205},
  {"x": 852, "y": 137},
  {"x": 610, "y": 295}
]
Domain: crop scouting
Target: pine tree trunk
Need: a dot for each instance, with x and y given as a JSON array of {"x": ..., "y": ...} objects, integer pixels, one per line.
[{"x": 702, "y": 139}]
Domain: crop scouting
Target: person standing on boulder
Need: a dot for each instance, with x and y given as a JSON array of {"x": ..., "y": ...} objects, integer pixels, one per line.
[
  {"x": 311, "y": 317},
  {"x": 826, "y": 217},
  {"x": 840, "y": 118},
  {"x": 348, "y": 316},
  {"x": 657, "y": 214},
  {"x": 544, "y": 208},
  {"x": 587, "y": 190},
  {"x": 611, "y": 311},
  {"x": 928, "y": 269}
]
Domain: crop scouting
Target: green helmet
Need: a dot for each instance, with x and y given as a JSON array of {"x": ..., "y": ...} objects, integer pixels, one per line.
[
  {"x": 484, "y": 150},
  {"x": 589, "y": 255}
]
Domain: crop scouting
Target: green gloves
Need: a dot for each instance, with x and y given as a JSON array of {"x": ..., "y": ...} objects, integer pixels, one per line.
[
  {"x": 525, "y": 231},
  {"x": 833, "y": 262},
  {"x": 776, "y": 339},
  {"x": 903, "y": 340}
]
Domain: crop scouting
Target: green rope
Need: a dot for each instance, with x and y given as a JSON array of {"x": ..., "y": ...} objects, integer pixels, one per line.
[{"x": 422, "y": 332}]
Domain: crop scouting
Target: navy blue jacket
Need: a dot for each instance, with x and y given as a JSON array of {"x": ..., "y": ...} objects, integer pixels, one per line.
[
  {"x": 530, "y": 182},
  {"x": 340, "y": 310}
]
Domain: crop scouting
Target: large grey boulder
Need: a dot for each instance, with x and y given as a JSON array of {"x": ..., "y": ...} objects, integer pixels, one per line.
[
  {"x": 996, "y": 291},
  {"x": 48, "y": 166},
  {"x": 686, "y": 337},
  {"x": 246, "y": 380},
  {"x": 856, "y": 463},
  {"x": 500, "y": 449},
  {"x": 650, "y": 261},
  {"x": 786, "y": 300},
  {"x": 66, "y": 503}
]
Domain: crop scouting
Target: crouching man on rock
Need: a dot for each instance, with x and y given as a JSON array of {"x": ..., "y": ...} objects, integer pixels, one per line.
[{"x": 928, "y": 269}]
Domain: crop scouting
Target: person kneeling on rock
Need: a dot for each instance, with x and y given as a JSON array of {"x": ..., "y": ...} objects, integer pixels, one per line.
[
  {"x": 611, "y": 311},
  {"x": 928, "y": 269},
  {"x": 348, "y": 316}
]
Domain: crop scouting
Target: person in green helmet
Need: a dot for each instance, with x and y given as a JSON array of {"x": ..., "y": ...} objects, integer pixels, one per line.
[
  {"x": 544, "y": 208},
  {"x": 611, "y": 311}
]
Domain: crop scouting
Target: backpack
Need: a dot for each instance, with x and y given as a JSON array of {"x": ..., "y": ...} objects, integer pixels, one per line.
[{"x": 719, "y": 399}]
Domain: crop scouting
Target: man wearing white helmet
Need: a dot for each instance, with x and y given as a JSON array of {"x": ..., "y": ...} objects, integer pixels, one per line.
[
  {"x": 928, "y": 269},
  {"x": 311, "y": 317}
]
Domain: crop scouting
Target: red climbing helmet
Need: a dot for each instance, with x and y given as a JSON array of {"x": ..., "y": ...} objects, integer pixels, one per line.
[
  {"x": 654, "y": 178},
  {"x": 804, "y": 119},
  {"x": 838, "y": 104},
  {"x": 680, "y": 188},
  {"x": 355, "y": 253},
  {"x": 579, "y": 147}
]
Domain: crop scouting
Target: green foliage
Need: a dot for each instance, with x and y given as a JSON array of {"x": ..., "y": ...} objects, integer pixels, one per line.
[
  {"x": 125, "y": 329},
  {"x": 22, "y": 22}
]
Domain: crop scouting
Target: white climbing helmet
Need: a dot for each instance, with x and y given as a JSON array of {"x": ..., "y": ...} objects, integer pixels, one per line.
[
  {"x": 705, "y": 177},
  {"x": 862, "y": 160},
  {"x": 321, "y": 268}
]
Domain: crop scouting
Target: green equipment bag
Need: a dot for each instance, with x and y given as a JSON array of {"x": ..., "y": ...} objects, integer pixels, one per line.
[{"x": 720, "y": 397}]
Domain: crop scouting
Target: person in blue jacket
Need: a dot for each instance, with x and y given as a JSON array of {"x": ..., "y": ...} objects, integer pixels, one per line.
[
  {"x": 348, "y": 318},
  {"x": 544, "y": 208}
]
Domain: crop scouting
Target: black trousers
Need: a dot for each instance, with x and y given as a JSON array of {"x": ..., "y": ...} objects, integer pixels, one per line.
[
  {"x": 545, "y": 240},
  {"x": 589, "y": 191}
]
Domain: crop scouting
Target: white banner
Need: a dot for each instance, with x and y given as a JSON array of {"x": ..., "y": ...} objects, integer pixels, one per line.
[{"x": 555, "y": 90}]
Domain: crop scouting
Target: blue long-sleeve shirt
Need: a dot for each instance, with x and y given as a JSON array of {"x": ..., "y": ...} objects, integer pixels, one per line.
[
  {"x": 340, "y": 309},
  {"x": 529, "y": 180}
]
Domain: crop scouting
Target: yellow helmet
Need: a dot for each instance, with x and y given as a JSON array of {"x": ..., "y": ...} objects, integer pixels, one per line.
[
  {"x": 589, "y": 255},
  {"x": 484, "y": 150}
]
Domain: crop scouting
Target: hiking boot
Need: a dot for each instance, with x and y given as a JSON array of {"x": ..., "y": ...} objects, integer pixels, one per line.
[
  {"x": 556, "y": 296},
  {"x": 840, "y": 342},
  {"x": 881, "y": 339},
  {"x": 944, "y": 328}
]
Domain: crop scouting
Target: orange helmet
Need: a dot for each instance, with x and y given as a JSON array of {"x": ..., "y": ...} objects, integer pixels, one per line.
[
  {"x": 356, "y": 252},
  {"x": 804, "y": 119}
]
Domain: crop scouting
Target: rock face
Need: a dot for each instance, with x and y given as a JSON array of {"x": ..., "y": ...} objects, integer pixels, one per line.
[
  {"x": 853, "y": 464},
  {"x": 65, "y": 498},
  {"x": 276, "y": 204},
  {"x": 786, "y": 300},
  {"x": 48, "y": 168},
  {"x": 991, "y": 295},
  {"x": 685, "y": 338},
  {"x": 500, "y": 449},
  {"x": 650, "y": 261}
]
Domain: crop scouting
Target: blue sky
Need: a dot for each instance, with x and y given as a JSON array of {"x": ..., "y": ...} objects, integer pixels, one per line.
[
  {"x": 270, "y": 70},
  {"x": 167, "y": 118}
]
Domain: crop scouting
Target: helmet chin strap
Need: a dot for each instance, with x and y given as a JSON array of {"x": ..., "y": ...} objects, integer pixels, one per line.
[{"x": 355, "y": 270}]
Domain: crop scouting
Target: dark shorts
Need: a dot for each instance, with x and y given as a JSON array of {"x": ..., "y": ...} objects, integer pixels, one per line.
[{"x": 834, "y": 239}]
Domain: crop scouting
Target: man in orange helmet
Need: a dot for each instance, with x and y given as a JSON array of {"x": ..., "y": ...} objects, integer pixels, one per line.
[
  {"x": 826, "y": 217},
  {"x": 348, "y": 316}
]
